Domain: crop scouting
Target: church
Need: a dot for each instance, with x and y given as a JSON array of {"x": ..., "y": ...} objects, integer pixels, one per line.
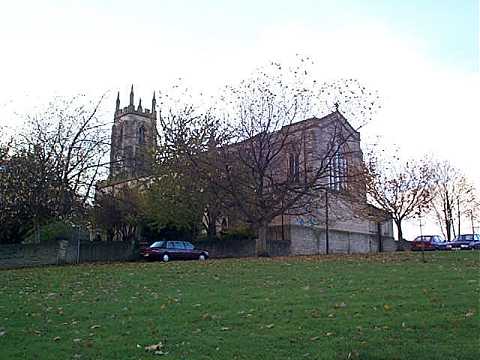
[
  {"x": 133, "y": 139},
  {"x": 337, "y": 228}
]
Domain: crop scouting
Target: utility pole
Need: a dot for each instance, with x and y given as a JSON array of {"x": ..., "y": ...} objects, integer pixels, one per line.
[
  {"x": 471, "y": 219},
  {"x": 421, "y": 233},
  {"x": 458, "y": 215},
  {"x": 326, "y": 222}
]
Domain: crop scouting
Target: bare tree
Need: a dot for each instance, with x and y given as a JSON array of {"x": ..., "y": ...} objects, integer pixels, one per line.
[
  {"x": 454, "y": 196},
  {"x": 186, "y": 133},
  {"x": 472, "y": 213},
  {"x": 53, "y": 164},
  {"x": 71, "y": 138},
  {"x": 119, "y": 211},
  {"x": 399, "y": 188},
  {"x": 269, "y": 161}
]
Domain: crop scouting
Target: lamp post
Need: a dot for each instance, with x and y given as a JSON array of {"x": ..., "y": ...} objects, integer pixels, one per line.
[
  {"x": 421, "y": 233},
  {"x": 471, "y": 219},
  {"x": 326, "y": 222}
]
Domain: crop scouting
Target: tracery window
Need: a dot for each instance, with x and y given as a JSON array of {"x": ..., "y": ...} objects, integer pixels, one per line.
[
  {"x": 141, "y": 135},
  {"x": 338, "y": 172},
  {"x": 294, "y": 167}
]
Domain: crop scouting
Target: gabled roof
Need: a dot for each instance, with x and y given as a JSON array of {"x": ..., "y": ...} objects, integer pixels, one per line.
[{"x": 324, "y": 121}]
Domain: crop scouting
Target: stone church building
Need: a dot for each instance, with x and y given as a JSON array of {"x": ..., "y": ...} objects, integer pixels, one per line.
[
  {"x": 338, "y": 226},
  {"x": 342, "y": 221},
  {"x": 133, "y": 138}
]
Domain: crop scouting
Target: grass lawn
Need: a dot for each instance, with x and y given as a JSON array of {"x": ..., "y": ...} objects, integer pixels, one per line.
[{"x": 387, "y": 306}]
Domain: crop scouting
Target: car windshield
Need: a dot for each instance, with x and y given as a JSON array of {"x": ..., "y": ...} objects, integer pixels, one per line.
[
  {"x": 188, "y": 246},
  {"x": 157, "y": 244},
  {"x": 423, "y": 238},
  {"x": 467, "y": 237}
]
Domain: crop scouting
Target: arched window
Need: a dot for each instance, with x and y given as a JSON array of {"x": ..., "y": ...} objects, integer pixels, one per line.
[
  {"x": 338, "y": 172},
  {"x": 141, "y": 135},
  {"x": 294, "y": 167},
  {"x": 313, "y": 140},
  {"x": 120, "y": 137}
]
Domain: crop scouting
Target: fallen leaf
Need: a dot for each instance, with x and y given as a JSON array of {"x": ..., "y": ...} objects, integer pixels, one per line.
[
  {"x": 160, "y": 352},
  {"x": 94, "y": 327},
  {"x": 269, "y": 326},
  {"x": 154, "y": 347},
  {"x": 56, "y": 338}
]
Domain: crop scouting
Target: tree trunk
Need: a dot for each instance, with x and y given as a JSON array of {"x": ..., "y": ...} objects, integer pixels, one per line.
[
  {"x": 398, "y": 223},
  {"x": 448, "y": 227},
  {"x": 261, "y": 243},
  {"x": 379, "y": 235},
  {"x": 449, "y": 218}
]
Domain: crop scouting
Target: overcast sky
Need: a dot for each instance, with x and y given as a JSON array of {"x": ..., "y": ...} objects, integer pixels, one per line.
[{"x": 421, "y": 55}]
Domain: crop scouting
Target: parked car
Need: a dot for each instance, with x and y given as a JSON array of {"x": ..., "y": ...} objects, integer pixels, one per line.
[
  {"x": 173, "y": 250},
  {"x": 430, "y": 242},
  {"x": 466, "y": 242}
]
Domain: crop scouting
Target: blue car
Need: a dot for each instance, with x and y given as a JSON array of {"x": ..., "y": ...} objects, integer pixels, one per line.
[{"x": 466, "y": 242}]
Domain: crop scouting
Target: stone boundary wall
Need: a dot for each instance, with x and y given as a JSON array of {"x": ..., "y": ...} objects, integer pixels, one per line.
[
  {"x": 20, "y": 255},
  {"x": 310, "y": 241},
  {"x": 227, "y": 248},
  {"x": 63, "y": 252},
  {"x": 304, "y": 241},
  {"x": 242, "y": 248}
]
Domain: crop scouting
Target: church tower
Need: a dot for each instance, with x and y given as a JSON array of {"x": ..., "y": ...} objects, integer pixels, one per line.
[{"x": 133, "y": 139}]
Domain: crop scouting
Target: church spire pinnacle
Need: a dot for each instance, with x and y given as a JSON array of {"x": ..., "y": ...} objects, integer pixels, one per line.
[
  {"x": 154, "y": 102},
  {"x": 118, "y": 102},
  {"x": 154, "y": 106},
  {"x": 140, "y": 109},
  {"x": 131, "y": 97}
]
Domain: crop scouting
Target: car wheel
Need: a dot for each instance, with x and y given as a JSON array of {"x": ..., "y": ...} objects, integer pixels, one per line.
[
  {"x": 165, "y": 258},
  {"x": 202, "y": 257}
]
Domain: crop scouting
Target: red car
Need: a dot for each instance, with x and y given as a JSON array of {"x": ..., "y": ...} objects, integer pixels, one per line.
[
  {"x": 430, "y": 242},
  {"x": 173, "y": 250}
]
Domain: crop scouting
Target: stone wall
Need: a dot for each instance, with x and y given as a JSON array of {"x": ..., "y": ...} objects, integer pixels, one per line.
[
  {"x": 228, "y": 248},
  {"x": 303, "y": 241},
  {"x": 63, "y": 252},
  {"x": 310, "y": 240},
  {"x": 19, "y": 255},
  {"x": 242, "y": 248}
]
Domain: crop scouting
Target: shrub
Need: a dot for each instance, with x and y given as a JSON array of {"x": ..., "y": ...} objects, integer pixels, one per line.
[
  {"x": 238, "y": 233},
  {"x": 53, "y": 231}
]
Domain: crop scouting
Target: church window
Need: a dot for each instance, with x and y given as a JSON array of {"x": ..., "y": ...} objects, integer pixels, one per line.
[
  {"x": 141, "y": 135},
  {"x": 120, "y": 138},
  {"x": 294, "y": 167},
  {"x": 338, "y": 172}
]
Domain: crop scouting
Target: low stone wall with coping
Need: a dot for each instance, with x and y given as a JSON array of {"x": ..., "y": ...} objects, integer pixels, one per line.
[{"x": 64, "y": 252}]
